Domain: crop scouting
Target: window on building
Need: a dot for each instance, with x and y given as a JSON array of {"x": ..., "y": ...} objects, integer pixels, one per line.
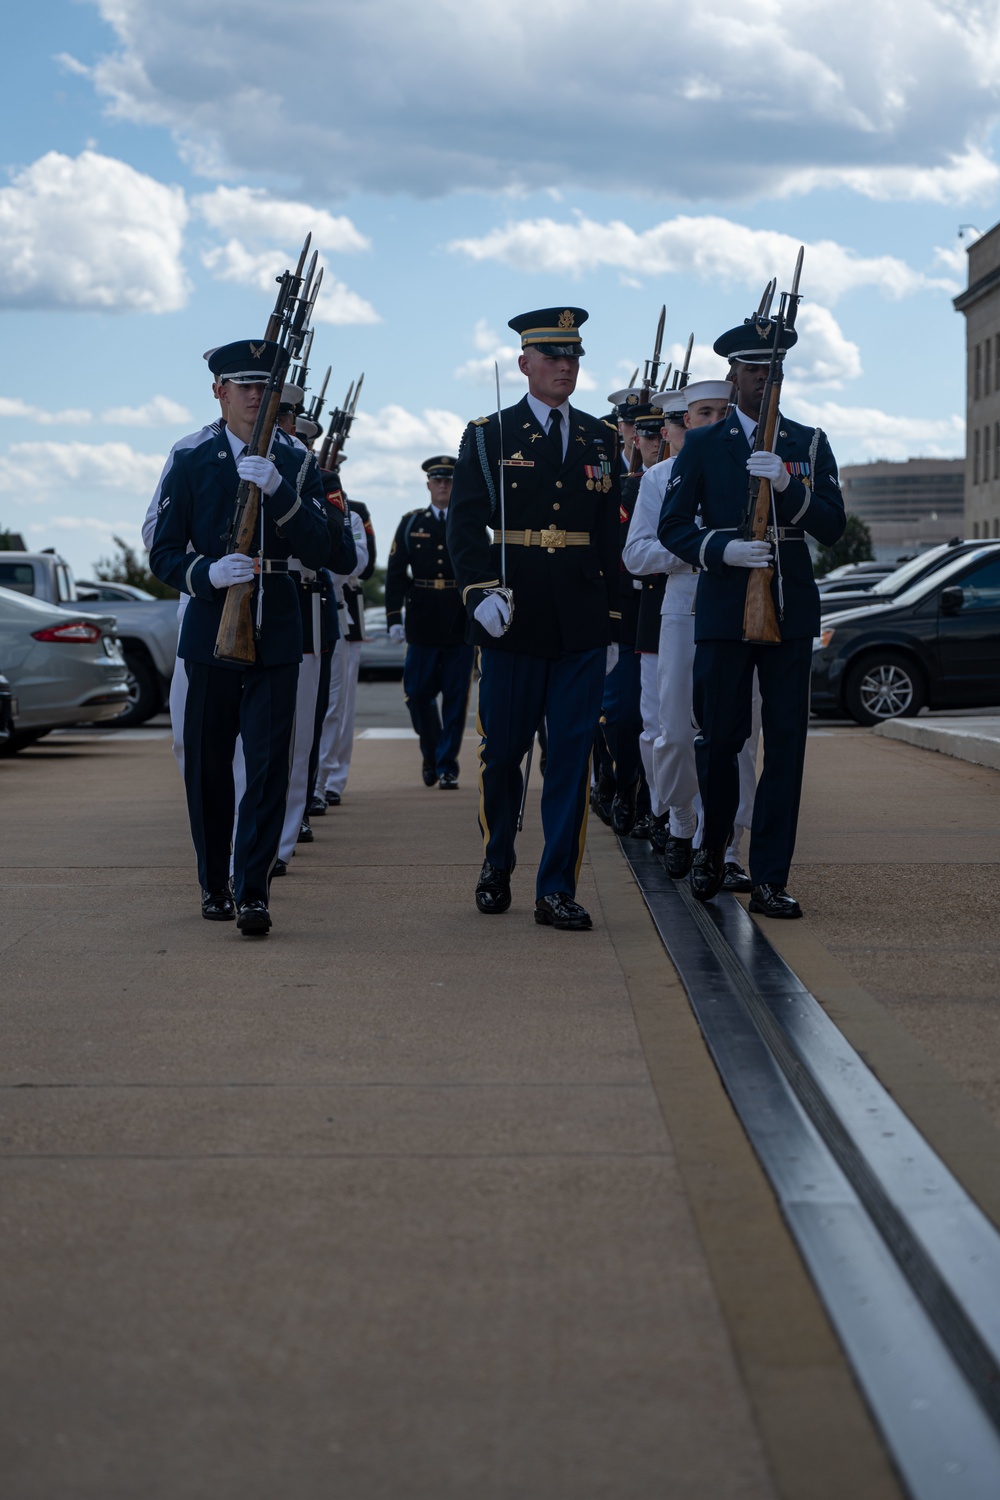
[
  {"x": 975, "y": 456},
  {"x": 977, "y": 378},
  {"x": 975, "y": 531}
]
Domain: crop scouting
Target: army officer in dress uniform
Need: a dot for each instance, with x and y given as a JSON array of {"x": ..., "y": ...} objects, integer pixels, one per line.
[
  {"x": 224, "y": 701},
  {"x": 439, "y": 661},
  {"x": 547, "y": 657},
  {"x": 701, "y": 521}
]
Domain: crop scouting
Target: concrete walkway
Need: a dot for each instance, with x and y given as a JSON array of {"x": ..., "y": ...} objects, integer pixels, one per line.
[{"x": 383, "y": 1206}]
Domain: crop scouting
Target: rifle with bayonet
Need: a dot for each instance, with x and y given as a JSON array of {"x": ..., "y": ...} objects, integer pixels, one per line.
[
  {"x": 286, "y": 327},
  {"x": 760, "y": 622},
  {"x": 319, "y": 401},
  {"x": 680, "y": 380},
  {"x": 341, "y": 421},
  {"x": 651, "y": 375}
]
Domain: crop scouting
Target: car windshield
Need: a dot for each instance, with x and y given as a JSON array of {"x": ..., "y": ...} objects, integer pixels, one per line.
[
  {"x": 902, "y": 577},
  {"x": 941, "y": 576}
]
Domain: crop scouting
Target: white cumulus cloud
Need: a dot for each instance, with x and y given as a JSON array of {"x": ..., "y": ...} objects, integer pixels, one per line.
[
  {"x": 252, "y": 214},
  {"x": 234, "y": 261},
  {"x": 91, "y": 232},
  {"x": 860, "y": 433},
  {"x": 23, "y": 411},
  {"x": 159, "y": 411},
  {"x": 479, "y": 370},
  {"x": 33, "y": 471}
]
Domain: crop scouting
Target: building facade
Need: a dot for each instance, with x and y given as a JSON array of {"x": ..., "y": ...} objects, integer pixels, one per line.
[
  {"x": 980, "y": 303},
  {"x": 907, "y": 506}
]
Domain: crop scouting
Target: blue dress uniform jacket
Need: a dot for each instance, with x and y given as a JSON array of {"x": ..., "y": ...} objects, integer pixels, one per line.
[
  {"x": 710, "y": 476},
  {"x": 566, "y": 598},
  {"x": 197, "y": 500},
  {"x": 421, "y": 577}
]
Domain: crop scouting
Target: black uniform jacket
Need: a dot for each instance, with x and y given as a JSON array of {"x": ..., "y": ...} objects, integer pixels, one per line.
[
  {"x": 197, "y": 499},
  {"x": 566, "y": 598},
  {"x": 420, "y": 575},
  {"x": 710, "y": 476}
]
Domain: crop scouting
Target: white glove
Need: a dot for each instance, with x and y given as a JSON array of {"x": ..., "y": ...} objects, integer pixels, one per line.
[
  {"x": 397, "y": 634},
  {"x": 769, "y": 466},
  {"x": 493, "y": 615},
  {"x": 259, "y": 471},
  {"x": 747, "y": 554},
  {"x": 612, "y": 660},
  {"x": 233, "y": 568}
]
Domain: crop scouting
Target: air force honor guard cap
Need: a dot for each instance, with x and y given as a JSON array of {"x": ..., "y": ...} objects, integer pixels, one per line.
[
  {"x": 624, "y": 402},
  {"x": 552, "y": 330},
  {"x": 292, "y": 397},
  {"x": 441, "y": 467},
  {"x": 707, "y": 390},
  {"x": 243, "y": 363},
  {"x": 751, "y": 342}
]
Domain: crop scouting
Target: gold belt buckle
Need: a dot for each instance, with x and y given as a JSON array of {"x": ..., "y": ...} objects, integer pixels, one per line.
[
  {"x": 553, "y": 538},
  {"x": 439, "y": 583}
]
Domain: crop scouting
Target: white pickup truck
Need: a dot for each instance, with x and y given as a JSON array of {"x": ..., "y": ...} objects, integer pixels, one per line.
[{"x": 147, "y": 627}]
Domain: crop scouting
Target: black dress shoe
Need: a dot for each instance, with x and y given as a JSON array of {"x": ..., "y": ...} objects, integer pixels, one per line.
[
  {"x": 429, "y": 774},
  {"x": 560, "y": 910},
  {"x": 306, "y": 835},
  {"x": 708, "y": 872},
  {"x": 316, "y": 808},
  {"x": 774, "y": 901},
  {"x": 254, "y": 919},
  {"x": 602, "y": 795},
  {"x": 735, "y": 878},
  {"x": 678, "y": 856},
  {"x": 332, "y": 799},
  {"x": 623, "y": 813},
  {"x": 492, "y": 890},
  {"x": 218, "y": 906},
  {"x": 448, "y": 781},
  {"x": 280, "y": 868},
  {"x": 659, "y": 832},
  {"x": 642, "y": 827}
]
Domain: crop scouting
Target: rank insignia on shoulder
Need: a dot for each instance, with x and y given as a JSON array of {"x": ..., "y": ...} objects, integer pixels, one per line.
[
  {"x": 480, "y": 421},
  {"x": 163, "y": 505}
]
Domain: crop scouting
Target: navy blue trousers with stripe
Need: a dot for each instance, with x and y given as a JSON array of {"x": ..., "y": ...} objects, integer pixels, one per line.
[
  {"x": 515, "y": 693},
  {"x": 430, "y": 672},
  {"x": 222, "y": 704}
]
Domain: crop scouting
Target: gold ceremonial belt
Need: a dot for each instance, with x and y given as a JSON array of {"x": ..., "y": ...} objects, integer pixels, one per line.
[
  {"x": 435, "y": 583},
  {"x": 550, "y": 538}
]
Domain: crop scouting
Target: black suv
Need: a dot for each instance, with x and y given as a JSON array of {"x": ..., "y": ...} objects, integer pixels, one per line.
[
  {"x": 883, "y": 590},
  {"x": 937, "y": 645}
]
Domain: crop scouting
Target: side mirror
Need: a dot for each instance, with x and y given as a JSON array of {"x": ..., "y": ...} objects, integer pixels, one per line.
[{"x": 952, "y": 600}]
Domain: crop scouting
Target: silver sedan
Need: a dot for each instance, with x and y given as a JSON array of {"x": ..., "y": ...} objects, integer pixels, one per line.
[{"x": 62, "y": 667}]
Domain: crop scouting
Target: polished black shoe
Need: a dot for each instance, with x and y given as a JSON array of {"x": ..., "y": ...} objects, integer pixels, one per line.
[
  {"x": 708, "y": 872},
  {"x": 306, "y": 835},
  {"x": 642, "y": 828},
  {"x": 623, "y": 813},
  {"x": 559, "y": 910},
  {"x": 774, "y": 901},
  {"x": 280, "y": 868},
  {"x": 218, "y": 906},
  {"x": 316, "y": 808},
  {"x": 332, "y": 799},
  {"x": 659, "y": 832},
  {"x": 678, "y": 856},
  {"x": 254, "y": 919},
  {"x": 448, "y": 781},
  {"x": 493, "y": 890},
  {"x": 602, "y": 795},
  {"x": 429, "y": 774},
  {"x": 735, "y": 878}
]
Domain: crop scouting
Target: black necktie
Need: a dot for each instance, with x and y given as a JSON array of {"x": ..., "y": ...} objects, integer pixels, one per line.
[{"x": 555, "y": 433}]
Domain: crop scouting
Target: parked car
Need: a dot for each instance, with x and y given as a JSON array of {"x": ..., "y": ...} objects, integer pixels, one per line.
[
  {"x": 380, "y": 657},
  {"x": 8, "y": 710},
  {"x": 895, "y": 583},
  {"x": 856, "y": 583},
  {"x": 63, "y": 667},
  {"x": 147, "y": 627},
  {"x": 936, "y": 645}
]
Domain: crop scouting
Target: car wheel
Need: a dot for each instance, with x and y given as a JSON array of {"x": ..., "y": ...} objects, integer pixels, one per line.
[
  {"x": 884, "y": 685},
  {"x": 144, "y": 696}
]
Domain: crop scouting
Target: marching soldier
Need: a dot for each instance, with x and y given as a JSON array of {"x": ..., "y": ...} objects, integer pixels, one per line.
[
  {"x": 224, "y": 701},
  {"x": 546, "y": 642},
  {"x": 420, "y": 577},
  {"x": 703, "y": 513},
  {"x": 336, "y": 744}
]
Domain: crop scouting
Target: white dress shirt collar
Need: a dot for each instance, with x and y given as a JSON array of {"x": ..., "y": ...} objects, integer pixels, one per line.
[
  {"x": 237, "y": 444},
  {"x": 748, "y": 424},
  {"x": 543, "y": 413}
]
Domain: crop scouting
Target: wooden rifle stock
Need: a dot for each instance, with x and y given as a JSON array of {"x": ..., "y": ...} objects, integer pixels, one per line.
[
  {"x": 760, "y": 622},
  {"x": 235, "y": 640}
]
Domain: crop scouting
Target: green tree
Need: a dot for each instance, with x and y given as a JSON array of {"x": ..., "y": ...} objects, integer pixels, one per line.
[
  {"x": 854, "y": 546},
  {"x": 10, "y": 541},
  {"x": 374, "y": 587},
  {"x": 125, "y": 567}
]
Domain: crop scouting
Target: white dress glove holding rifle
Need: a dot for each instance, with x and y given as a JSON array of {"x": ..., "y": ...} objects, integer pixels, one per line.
[
  {"x": 397, "y": 634},
  {"x": 235, "y": 567},
  {"x": 258, "y": 471},
  {"x": 770, "y": 467},
  {"x": 747, "y": 554},
  {"x": 493, "y": 615}
]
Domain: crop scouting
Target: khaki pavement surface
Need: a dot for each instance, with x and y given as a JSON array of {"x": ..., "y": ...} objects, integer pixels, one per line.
[{"x": 382, "y": 1206}]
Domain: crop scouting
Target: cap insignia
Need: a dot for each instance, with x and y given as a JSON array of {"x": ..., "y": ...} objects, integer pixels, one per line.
[
  {"x": 566, "y": 319},
  {"x": 256, "y": 350}
]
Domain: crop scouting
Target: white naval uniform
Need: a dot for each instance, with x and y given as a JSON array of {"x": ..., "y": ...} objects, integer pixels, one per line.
[
  {"x": 674, "y": 779},
  {"x": 337, "y": 739}
]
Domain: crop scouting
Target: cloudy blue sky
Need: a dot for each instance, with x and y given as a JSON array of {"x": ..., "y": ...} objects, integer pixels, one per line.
[{"x": 460, "y": 162}]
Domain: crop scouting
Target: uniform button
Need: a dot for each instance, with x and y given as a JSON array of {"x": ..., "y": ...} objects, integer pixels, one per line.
[
  {"x": 514, "y": 485},
  {"x": 555, "y": 505},
  {"x": 551, "y": 549},
  {"x": 440, "y": 547},
  {"x": 558, "y": 484}
]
